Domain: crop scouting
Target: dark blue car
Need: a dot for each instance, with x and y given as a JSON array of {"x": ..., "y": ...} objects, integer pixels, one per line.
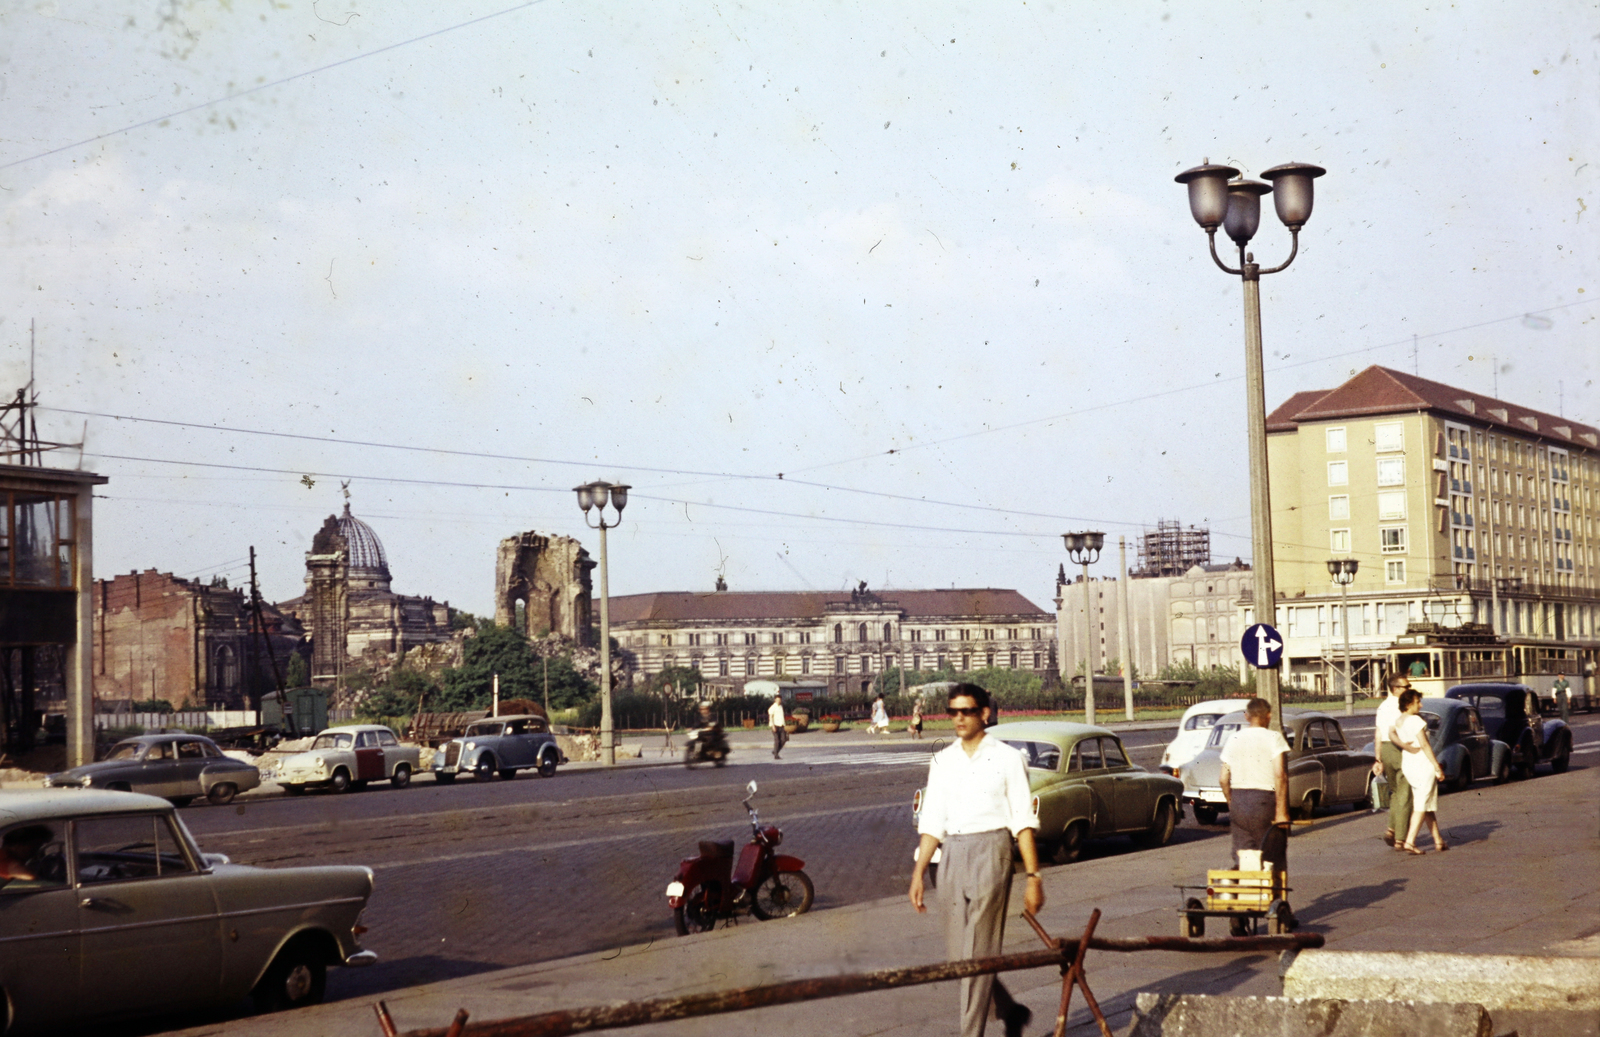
[{"x": 1510, "y": 714}]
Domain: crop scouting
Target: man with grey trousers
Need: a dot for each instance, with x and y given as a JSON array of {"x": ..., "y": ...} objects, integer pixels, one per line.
[
  {"x": 977, "y": 800},
  {"x": 1389, "y": 756}
]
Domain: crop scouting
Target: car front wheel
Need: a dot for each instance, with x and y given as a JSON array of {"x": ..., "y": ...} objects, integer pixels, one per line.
[
  {"x": 296, "y": 978},
  {"x": 547, "y": 766},
  {"x": 340, "y": 782},
  {"x": 485, "y": 770},
  {"x": 401, "y": 777}
]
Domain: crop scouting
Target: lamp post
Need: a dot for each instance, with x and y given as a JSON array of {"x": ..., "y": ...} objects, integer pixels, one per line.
[
  {"x": 1218, "y": 196},
  {"x": 1343, "y": 571},
  {"x": 1084, "y": 549},
  {"x": 593, "y": 495}
]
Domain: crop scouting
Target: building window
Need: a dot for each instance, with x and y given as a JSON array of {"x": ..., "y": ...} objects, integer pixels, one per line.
[
  {"x": 750, "y": 638},
  {"x": 1338, "y": 473},
  {"x": 805, "y": 664},
  {"x": 1335, "y": 440},
  {"x": 666, "y": 639},
  {"x": 1038, "y": 634},
  {"x": 1391, "y": 505},
  {"x": 1391, "y": 471},
  {"x": 838, "y": 664},
  {"x": 1392, "y": 539},
  {"x": 694, "y": 639},
  {"x": 1339, "y": 509},
  {"x": 916, "y": 661},
  {"x": 722, "y": 667},
  {"x": 988, "y": 660},
  {"x": 1389, "y": 437},
  {"x": 866, "y": 663},
  {"x": 1339, "y": 541},
  {"x": 942, "y": 663},
  {"x": 861, "y": 631},
  {"x": 838, "y": 634},
  {"x": 938, "y": 635},
  {"x": 916, "y": 635},
  {"x": 966, "y": 663},
  {"x": 1394, "y": 571},
  {"x": 805, "y": 637},
  {"x": 750, "y": 667},
  {"x": 888, "y": 631},
  {"x": 888, "y": 663},
  {"x": 1036, "y": 662},
  {"x": 963, "y": 632}
]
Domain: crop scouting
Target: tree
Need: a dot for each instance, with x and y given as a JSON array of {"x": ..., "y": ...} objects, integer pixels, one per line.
[
  {"x": 299, "y": 672},
  {"x": 674, "y": 681},
  {"x": 495, "y": 650},
  {"x": 398, "y": 695}
]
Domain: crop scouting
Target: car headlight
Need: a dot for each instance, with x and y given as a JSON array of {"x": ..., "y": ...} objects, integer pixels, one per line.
[{"x": 469, "y": 747}]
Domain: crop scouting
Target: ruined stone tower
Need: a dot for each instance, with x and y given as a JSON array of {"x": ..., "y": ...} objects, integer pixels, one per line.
[
  {"x": 550, "y": 576},
  {"x": 328, "y": 588}
]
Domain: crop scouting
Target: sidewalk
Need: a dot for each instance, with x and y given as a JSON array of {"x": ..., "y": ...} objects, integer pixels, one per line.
[{"x": 1522, "y": 877}]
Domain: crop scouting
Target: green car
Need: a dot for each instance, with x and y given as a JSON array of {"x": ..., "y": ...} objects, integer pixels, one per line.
[{"x": 1085, "y": 788}]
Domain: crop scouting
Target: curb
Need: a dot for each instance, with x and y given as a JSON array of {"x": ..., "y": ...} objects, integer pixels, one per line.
[{"x": 1497, "y": 982}]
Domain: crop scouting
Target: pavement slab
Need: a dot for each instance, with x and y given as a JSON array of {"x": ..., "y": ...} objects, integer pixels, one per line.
[{"x": 1521, "y": 878}]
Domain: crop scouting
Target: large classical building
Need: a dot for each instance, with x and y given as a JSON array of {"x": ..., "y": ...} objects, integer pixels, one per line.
[
  {"x": 349, "y": 610},
  {"x": 842, "y": 638},
  {"x": 1460, "y": 509}
]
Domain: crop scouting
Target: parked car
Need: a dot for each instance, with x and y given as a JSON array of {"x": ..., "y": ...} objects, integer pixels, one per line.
[
  {"x": 1085, "y": 788},
  {"x": 1510, "y": 714},
  {"x": 347, "y": 758},
  {"x": 499, "y": 745},
  {"x": 1323, "y": 770},
  {"x": 175, "y": 767},
  {"x": 1460, "y": 744},
  {"x": 1194, "y": 729},
  {"x": 108, "y": 910}
]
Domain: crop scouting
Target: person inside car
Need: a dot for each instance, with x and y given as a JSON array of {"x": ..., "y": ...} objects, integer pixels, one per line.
[{"x": 21, "y": 854}]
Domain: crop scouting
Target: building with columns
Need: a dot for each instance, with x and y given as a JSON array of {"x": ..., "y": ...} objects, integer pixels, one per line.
[{"x": 843, "y": 638}]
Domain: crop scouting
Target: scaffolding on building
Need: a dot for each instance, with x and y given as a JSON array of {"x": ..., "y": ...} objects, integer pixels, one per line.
[{"x": 1172, "y": 550}]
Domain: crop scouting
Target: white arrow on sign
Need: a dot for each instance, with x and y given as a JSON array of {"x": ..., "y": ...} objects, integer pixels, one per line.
[{"x": 1265, "y": 646}]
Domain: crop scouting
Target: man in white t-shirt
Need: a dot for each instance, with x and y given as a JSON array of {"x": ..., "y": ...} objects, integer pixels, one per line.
[
  {"x": 1255, "y": 778},
  {"x": 1389, "y": 757},
  {"x": 775, "y": 721},
  {"x": 976, "y": 802}
]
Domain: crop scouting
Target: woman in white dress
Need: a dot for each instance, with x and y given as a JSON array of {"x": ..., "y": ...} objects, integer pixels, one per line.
[{"x": 1422, "y": 771}]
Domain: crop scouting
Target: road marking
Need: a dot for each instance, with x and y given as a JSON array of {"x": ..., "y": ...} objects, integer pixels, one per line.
[{"x": 885, "y": 758}]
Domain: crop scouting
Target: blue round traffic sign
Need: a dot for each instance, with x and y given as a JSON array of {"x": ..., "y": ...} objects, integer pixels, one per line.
[{"x": 1262, "y": 646}]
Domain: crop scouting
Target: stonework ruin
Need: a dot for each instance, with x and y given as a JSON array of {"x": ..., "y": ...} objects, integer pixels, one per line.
[{"x": 549, "y": 576}]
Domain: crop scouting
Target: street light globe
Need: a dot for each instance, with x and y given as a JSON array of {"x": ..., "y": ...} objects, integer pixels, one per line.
[
  {"x": 1208, "y": 192},
  {"x": 585, "y": 496},
  {"x": 1096, "y": 540},
  {"x": 1333, "y": 567},
  {"x": 619, "y": 496},
  {"x": 1244, "y": 210},
  {"x": 1291, "y": 191},
  {"x": 1074, "y": 542}
]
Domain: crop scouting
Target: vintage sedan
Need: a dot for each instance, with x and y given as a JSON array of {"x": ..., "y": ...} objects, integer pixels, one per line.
[
  {"x": 1510, "y": 714},
  {"x": 1194, "y": 731},
  {"x": 342, "y": 758},
  {"x": 1461, "y": 745},
  {"x": 108, "y": 909},
  {"x": 175, "y": 767},
  {"x": 499, "y": 745},
  {"x": 1324, "y": 770},
  {"x": 1085, "y": 788}
]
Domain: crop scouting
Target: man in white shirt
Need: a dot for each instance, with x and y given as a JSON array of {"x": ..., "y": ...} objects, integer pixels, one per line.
[
  {"x": 1389, "y": 756},
  {"x": 775, "y": 719},
  {"x": 1255, "y": 777},
  {"x": 976, "y": 801}
]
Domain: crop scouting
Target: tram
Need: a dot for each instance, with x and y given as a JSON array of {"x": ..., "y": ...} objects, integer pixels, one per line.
[{"x": 1437, "y": 658}]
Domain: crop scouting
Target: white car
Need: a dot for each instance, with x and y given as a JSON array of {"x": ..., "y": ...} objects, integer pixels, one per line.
[
  {"x": 348, "y": 757},
  {"x": 1193, "y": 731}
]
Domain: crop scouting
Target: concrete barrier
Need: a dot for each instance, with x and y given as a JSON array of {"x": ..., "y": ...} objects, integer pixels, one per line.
[
  {"x": 1201, "y": 1015},
  {"x": 1492, "y": 980}
]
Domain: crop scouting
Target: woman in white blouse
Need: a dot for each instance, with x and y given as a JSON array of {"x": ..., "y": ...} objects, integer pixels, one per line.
[{"x": 1421, "y": 769}]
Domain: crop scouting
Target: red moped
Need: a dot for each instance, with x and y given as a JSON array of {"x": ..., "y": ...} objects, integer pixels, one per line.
[{"x": 765, "y": 883}]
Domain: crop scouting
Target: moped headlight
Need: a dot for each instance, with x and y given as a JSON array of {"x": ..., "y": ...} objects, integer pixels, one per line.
[{"x": 674, "y": 889}]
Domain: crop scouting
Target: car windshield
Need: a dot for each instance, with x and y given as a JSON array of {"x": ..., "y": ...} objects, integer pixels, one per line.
[
  {"x": 1202, "y": 721},
  {"x": 482, "y": 730},
  {"x": 124, "y": 751},
  {"x": 1040, "y": 756},
  {"x": 1220, "y": 734},
  {"x": 339, "y": 741},
  {"x": 1490, "y": 707}
]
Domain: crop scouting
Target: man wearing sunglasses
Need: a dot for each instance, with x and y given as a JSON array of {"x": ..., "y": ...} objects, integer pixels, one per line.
[{"x": 976, "y": 801}]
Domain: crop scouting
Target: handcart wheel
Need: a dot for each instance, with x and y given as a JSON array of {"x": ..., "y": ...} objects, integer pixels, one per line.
[
  {"x": 1280, "y": 918},
  {"x": 1192, "y": 923}
]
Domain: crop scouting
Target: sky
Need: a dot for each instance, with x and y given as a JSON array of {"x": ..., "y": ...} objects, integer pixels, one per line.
[{"x": 895, "y": 292}]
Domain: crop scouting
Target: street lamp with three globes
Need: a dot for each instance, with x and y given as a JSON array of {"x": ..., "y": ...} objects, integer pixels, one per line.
[{"x": 594, "y": 495}]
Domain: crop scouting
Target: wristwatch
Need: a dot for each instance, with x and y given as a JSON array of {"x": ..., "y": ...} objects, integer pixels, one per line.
[{"x": 1033, "y": 874}]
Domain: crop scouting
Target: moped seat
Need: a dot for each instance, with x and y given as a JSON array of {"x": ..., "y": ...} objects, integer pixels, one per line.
[{"x": 716, "y": 848}]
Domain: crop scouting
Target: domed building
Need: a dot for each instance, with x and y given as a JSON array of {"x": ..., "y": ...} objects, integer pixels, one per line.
[{"x": 349, "y": 610}]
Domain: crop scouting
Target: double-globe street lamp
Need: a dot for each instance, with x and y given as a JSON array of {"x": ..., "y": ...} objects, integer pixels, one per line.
[
  {"x": 1343, "y": 571},
  {"x": 1218, "y": 196},
  {"x": 593, "y": 495},
  {"x": 1084, "y": 550}
]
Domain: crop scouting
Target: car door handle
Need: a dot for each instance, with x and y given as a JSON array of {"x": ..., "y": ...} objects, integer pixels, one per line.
[{"x": 94, "y": 903}]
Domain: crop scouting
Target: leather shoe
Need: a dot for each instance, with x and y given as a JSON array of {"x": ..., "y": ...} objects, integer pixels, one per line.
[
  {"x": 1016, "y": 1017},
  {"x": 1388, "y": 837}
]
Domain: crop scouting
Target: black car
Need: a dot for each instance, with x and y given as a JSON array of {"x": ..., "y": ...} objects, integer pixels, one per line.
[
  {"x": 177, "y": 767},
  {"x": 1461, "y": 745},
  {"x": 1510, "y": 714}
]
